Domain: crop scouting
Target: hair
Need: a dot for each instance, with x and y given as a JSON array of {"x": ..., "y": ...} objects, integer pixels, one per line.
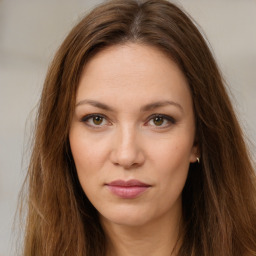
[{"x": 219, "y": 197}]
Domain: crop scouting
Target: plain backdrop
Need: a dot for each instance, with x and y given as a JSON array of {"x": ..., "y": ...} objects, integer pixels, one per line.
[{"x": 31, "y": 31}]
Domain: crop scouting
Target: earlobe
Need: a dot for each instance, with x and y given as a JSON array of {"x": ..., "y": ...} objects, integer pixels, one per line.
[{"x": 195, "y": 155}]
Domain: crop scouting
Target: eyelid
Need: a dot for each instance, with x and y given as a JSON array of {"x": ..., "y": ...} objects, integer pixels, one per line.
[
  {"x": 170, "y": 119},
  {"x": 85, "y": 119}
]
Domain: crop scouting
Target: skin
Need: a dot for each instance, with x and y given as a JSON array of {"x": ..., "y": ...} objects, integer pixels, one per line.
[{"x": 128, "y": 142}]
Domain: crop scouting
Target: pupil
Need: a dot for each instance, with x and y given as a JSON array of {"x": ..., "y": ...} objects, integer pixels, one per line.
[
  {"x": 158, "y": 121},
  {"x": 97, "y": 120}
]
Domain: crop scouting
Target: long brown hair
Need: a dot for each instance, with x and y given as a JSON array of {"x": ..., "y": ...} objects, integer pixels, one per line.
[{"x": 219, "y": 198}]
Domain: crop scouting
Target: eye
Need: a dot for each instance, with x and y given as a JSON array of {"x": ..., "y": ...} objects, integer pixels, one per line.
[
  {"x": 158, "y": 120},
  {"x": 95, "y": 120},
  {"x": 161, "y": 121}
]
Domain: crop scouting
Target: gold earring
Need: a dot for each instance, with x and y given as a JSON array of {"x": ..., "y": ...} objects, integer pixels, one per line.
[{"x": 198, "y": 160}]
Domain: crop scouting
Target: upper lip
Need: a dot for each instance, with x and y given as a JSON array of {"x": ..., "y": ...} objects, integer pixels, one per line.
[{"x": 128, "y": 183}]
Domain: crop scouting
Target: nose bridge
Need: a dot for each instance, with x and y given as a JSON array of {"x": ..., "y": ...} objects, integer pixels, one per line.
[
  {"x": 127, "y": 135},
  {"x": 127, "y": 150}
]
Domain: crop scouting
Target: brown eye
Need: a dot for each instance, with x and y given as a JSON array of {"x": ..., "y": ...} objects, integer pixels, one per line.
[
  {"x": 161, "y": 121},
  {"x": 97, "y": 120},
  {"x": 158, "y": 121}
]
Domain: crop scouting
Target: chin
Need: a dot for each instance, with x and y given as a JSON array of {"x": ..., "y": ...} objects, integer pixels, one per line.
[{"x": 125, "y": 217}]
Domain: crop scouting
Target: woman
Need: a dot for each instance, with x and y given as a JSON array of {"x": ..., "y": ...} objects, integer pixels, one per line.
[{"x": 137, "y": 148}]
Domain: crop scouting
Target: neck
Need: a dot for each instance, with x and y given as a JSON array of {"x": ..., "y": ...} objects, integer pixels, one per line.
[{"x": 160, "y": 237}]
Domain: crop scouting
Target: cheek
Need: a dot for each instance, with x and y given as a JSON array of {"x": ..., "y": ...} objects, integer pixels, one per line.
[
  {"x": 172, "y": 161},
  {"x": 172, "y": 151},
  {"x": 88, "y": 156},
  {"x": 88, "y": 152}
]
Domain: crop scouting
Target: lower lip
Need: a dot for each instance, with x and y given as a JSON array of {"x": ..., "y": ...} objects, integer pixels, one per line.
[{"x": 127, "y": 192}]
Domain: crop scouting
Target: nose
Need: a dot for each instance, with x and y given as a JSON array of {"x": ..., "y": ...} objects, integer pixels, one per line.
[{"x": 127, "y": 149}]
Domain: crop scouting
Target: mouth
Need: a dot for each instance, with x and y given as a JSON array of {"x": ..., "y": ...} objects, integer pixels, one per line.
[{"x": 127, "y": 189}]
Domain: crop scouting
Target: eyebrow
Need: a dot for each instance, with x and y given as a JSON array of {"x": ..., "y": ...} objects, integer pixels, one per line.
[
  {"x": 148, "y": 107},
  {"x": 159, "y": 104},
  {"x": 95, "y": 104}
]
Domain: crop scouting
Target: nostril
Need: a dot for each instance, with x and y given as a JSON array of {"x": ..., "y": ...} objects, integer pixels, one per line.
[
  {"x": 126, "y": 148},
  {"x": 127, "y": 159}
]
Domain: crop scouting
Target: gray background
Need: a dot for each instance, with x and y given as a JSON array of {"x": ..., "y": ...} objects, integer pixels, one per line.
[{"x": 30, "y": 32}]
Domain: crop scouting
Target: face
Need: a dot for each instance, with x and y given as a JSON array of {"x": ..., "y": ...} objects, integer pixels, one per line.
[{"x": 132, "y": 134}]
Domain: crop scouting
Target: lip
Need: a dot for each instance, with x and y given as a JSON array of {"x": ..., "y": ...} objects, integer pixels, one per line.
[{"x": 127, "y": 189}]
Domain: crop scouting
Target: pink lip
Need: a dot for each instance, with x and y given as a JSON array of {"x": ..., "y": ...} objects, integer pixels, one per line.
[{"x": 127, "y": 189}]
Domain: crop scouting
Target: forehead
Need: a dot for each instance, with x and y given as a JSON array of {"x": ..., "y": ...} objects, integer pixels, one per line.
[{"x": 133, "y": 71}]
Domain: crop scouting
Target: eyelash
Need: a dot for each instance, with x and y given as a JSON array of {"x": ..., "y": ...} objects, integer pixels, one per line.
[
  {"x": 168, "y": 119},
  {"x": 86, "y": 119},
  {"x": 165, "y": 118}
]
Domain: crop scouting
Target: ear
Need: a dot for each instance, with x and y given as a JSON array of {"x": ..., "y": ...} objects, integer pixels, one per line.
[{"x": 195, "y": 153}]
